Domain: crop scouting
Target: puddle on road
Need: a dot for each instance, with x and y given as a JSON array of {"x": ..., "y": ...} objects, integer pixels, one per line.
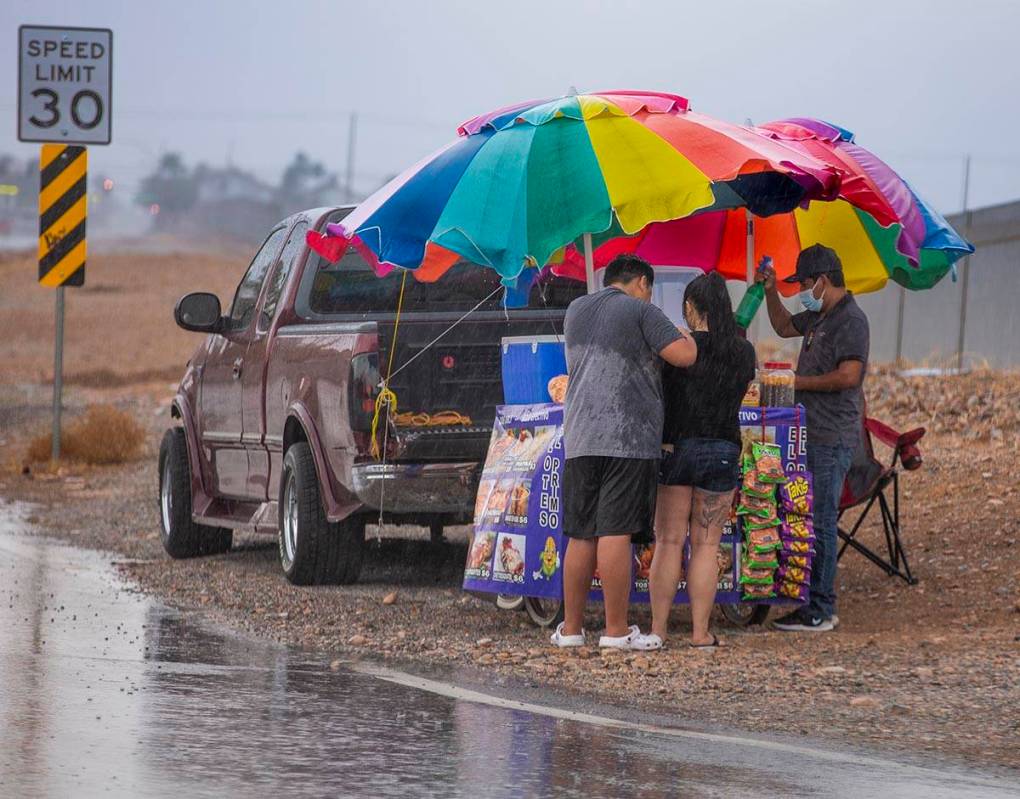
[{"x": 103, "y": 691}]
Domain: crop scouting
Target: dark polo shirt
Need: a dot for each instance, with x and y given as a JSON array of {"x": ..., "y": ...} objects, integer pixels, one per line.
[{"x": 833, "y": 417}]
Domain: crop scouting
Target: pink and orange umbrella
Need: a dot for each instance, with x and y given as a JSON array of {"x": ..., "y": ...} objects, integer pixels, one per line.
[{"x": 878, "y": 225}]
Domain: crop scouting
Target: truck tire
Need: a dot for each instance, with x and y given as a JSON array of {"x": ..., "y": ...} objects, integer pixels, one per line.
[
  {"x": 182, "y": 537},
  {"x": 314, "y": 551},
  {"x": 744, "y": 614}
]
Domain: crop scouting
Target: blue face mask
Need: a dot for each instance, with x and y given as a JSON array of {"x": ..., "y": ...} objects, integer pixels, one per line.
[{"x": 810, "y": 301}]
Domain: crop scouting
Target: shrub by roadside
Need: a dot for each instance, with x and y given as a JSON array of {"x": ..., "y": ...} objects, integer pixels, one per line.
[{"x": 102, "y": 435}]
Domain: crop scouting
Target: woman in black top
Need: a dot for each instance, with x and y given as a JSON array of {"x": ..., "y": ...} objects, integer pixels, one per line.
[{"x": 701, "y": 452}]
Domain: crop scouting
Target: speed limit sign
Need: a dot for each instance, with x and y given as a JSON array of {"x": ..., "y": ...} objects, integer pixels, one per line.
[{"x": 64, "y": 84}]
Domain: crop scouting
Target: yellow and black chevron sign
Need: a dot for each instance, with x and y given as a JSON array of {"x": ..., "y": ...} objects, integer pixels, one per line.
[{"x": 63, "y": 203}]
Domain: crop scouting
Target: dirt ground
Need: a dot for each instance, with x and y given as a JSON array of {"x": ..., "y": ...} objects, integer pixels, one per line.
[{"x": 929, "y": 668}]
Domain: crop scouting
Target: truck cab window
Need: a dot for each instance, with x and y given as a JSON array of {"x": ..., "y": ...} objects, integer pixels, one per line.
[
  {"x": 291, "y": 250},
  {"x": 248, "y": 290},
  {"x": 350, "y": 287}
]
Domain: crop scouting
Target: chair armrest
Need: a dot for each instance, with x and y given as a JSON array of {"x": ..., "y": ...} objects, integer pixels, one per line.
[{"x": 882, "y": 432}]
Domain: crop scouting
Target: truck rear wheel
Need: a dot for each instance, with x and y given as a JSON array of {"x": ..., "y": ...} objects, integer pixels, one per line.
[
  {"x": 182, "y": 537},
  {"x": 314, "y": 551}
]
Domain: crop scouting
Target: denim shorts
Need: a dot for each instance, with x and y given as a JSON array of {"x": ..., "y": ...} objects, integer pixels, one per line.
[{"x": 711, "y": 464}]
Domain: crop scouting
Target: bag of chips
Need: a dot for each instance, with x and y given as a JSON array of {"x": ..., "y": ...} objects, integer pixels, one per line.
[
  {"x": 764, "y": 539},
  {"x": 768, "y": 461},
  {"x": 794, "y": 574},
  {"x": 758, "y": 523},
  {"x": 800, "y": 561},
  {"x": 799, "y": 546},
  {"x": 761, "y": 560},
  {"x": 753, "y": 486},
  {"x": 749, "y": 576},
  {"x": 796, "y": 591},
  {"x": 754, "y": 591},
  {"x": 760, "y": 507},
  {"x": 797, "y": 494},
  {"x": 795, "y": 526}
]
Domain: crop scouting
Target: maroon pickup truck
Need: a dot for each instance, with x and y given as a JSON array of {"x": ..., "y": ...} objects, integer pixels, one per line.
[{"x": 273, "y": 417}]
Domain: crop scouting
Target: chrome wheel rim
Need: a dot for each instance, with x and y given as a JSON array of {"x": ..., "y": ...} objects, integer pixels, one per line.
[
  {"x": 290, "y": 521},
  {"x": 166, "y": 500}
]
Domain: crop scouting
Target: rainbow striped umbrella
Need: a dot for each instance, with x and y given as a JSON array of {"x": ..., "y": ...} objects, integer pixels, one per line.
[
  {"x": 520, "y": 183},
  {"x": 879, "y": 226}
]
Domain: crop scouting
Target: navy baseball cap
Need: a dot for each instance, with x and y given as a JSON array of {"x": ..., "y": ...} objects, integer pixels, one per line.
[{"x": 814, "y": 261}]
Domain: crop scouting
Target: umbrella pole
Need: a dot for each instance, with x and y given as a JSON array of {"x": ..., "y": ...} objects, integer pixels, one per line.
[
  {"x": 589, "y": 264},
  {"x": 752, "y": 331}
]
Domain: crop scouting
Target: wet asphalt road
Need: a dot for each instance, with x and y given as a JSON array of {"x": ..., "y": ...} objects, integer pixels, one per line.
[{"x": 106, "y": 693}]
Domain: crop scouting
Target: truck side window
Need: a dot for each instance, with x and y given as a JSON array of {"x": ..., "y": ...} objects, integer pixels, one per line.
[
  {"x": 248, "y": 290},
  {"x": 291, "y": 251}
]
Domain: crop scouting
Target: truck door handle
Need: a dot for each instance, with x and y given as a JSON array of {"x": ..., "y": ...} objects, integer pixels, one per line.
[{"x": 236, "y": 370}]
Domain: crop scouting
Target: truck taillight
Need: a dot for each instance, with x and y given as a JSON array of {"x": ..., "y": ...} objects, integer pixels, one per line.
[{"x": 362, "y": 390}]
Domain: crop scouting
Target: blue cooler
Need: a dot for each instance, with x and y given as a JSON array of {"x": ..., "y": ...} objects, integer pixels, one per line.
[{"x": 529, "y": 363}]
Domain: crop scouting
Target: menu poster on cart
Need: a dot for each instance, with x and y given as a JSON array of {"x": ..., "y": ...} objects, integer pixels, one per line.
[{"x": 517, "y": 547}]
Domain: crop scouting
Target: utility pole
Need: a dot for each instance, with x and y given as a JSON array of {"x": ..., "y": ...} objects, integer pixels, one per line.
[
  {"x": 964, "y": 268},
  {"x": 352, "y": 138}
]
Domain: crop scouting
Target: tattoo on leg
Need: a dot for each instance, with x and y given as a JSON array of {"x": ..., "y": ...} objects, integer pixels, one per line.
[{"x": 714, "y": 508}]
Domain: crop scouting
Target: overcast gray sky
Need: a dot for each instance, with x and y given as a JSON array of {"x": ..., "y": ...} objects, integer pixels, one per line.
[{"x": 921, "y": 83}]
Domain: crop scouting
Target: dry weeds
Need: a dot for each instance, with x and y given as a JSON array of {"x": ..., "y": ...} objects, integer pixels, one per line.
[{"x": 102, "y": 435}]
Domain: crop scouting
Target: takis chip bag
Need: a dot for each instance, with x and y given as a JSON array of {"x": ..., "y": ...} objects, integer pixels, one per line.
[
  {"x": 794, "y": 574},
  {"x": 796, "y": 591},
  {"x": 764, "y": 539},
  {"x": 768, "y": 461},
  {"x": 798, "y": 546},
  {"x": 795, "y": 526},
  {"x": 797, "y": 494},
  {"x": 800, "y": 561}
]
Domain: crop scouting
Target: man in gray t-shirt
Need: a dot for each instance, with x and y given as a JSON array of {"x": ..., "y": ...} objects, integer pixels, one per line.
[
  {"x": 616, "y": 341},
  {"x": 830, "y": 373}
]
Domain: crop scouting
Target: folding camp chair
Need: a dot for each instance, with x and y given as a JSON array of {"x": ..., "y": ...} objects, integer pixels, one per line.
[{"x": 866, "y": 484}]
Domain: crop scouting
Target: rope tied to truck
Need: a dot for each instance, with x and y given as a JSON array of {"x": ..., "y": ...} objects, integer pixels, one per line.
[{"x": 387, "y": 398}]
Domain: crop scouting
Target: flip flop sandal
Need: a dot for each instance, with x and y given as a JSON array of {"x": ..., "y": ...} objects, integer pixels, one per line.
[
  {"x": 566, "y": 641},
  {"x": 621, "y": 642},
  {"x": 714, "y": 645}
]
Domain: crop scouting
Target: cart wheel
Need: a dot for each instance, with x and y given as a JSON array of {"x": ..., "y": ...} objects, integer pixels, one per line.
[
  {"x": 544, "y": 612},
  {"x": 509, "y": 602},
  {"x": 744, "y": 614}
]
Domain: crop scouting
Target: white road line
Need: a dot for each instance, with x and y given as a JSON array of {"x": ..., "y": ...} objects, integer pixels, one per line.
[{"x": 466, "y": 694}]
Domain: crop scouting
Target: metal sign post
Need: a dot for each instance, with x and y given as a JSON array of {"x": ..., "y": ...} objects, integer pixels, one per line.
[
  {"x": 65, "y": 78},
  {"x": 58, "y": 375}
]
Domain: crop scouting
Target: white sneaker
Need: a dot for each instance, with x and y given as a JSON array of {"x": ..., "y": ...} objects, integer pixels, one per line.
[
  {"x": 566, "y": 641},
  {"x": 835, "y": 621},
  {"x": 621, "y": 642}
]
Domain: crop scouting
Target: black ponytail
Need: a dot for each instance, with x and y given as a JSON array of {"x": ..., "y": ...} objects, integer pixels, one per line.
[{"x": 708, "y": 294}]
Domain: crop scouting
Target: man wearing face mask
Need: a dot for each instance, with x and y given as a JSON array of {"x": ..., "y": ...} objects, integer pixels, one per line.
[{"x": 830, "y": 373}]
